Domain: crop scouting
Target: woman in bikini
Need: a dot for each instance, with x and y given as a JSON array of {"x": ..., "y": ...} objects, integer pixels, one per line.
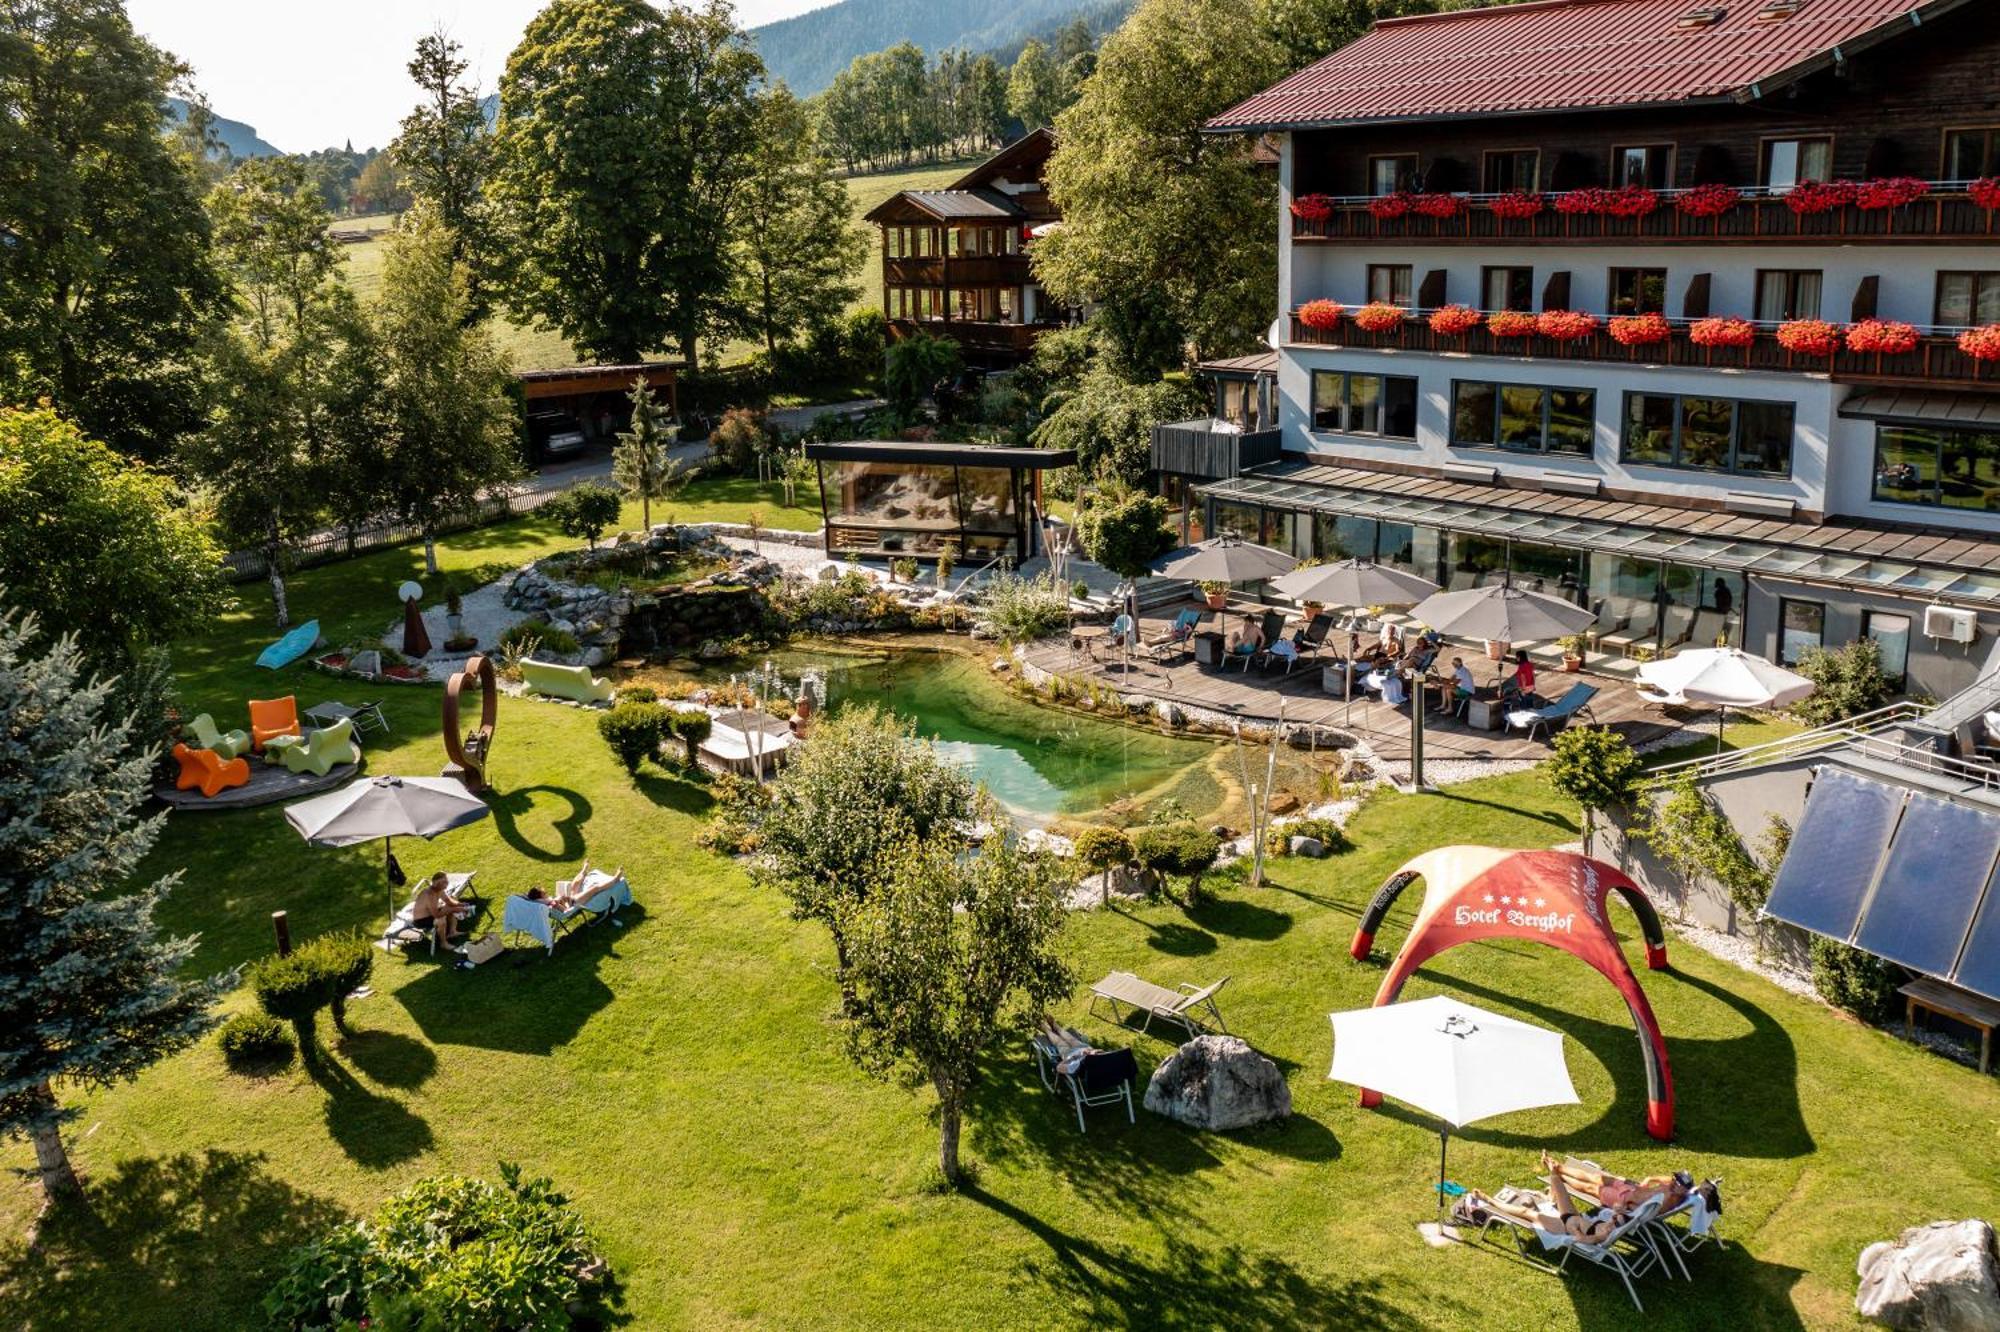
[{"x": 1579, "y": 1223}]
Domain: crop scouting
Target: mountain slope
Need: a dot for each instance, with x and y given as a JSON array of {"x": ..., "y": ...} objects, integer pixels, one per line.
[
  {"x": 240, "y": 139},
  {"x": 808, "y": 50}
]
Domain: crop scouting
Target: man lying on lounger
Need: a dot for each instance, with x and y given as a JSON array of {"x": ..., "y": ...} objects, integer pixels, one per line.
[
  {"x": 1618, "y": 1198},
  {"x": 573, "y": 893},
  {"x": 1617, "y": 1191}
]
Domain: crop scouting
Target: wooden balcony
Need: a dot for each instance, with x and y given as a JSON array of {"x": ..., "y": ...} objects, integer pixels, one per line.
[
  {"x": 1198, "y": 449},
  {"x": 1936, "y": 361},
  {"x": 1945, "y": 214},
  {"x": 991, "y": 270},
  {"x": 976, "y": 338}
]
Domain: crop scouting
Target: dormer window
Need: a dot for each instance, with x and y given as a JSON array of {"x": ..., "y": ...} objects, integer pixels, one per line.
[{"x": 1707, "y": 16}]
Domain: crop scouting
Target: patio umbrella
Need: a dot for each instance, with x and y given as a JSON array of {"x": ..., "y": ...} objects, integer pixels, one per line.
[
  {"x": 1451, "y": 1059},
  {"x": 1224, "y": 559},
  {"x": 1503, "y": 613},
  {"x": 1727, "y": 677},
  {"x": 1354, "y": 583},
  {"x": 385, "y": 808}
]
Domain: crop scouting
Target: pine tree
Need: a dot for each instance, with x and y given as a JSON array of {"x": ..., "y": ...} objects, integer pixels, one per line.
[
  {"x": 89, "y": 992},
  {"x": 641, "y": 464}
]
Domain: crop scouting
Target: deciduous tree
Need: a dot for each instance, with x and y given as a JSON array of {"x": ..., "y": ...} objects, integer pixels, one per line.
[
  {"x": 445, "y": 154},
  {"x": 1037, "y": 89},
  {"x": 90, "y": 994},
  {"x": 107, "y": 286},
  {"x": 951, "y": 955}
]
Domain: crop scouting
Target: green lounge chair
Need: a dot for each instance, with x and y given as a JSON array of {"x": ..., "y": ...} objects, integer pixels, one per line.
[
  {"x": 226, "y": 744},
  {"x": 570, "y": 682},
  {"x": 324, "y": 750}
]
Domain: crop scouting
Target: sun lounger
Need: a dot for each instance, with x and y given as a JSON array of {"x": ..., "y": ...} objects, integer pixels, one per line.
[
  {"x": 545, "y": 922},
  {"x": 291, "y": 647},
  {"x": 1270, "y": 628},
  {"x": 1556, "y": 715},
  {"x": 1630, "y": 1251},
  {"x": 1069, "y": 1063},
  {"x": 324, "y": 750},
  {"x": 574, "y": 683},
  {"x": 1178, "y": 638},
  {"x": 404, "y": 928},
  {"x": 271, "y": 718},
  {"x": 1156, "y": 1001}
]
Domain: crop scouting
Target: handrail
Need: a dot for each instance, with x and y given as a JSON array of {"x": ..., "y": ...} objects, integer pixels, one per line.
[
  {"x": 1680, "y": 323},
  {"x": 1667, "y": 194},
  {"x": 1866, "y": 726}
]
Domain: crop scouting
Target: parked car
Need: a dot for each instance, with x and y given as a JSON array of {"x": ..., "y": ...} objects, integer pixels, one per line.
[{"x": 554, "y": 435}]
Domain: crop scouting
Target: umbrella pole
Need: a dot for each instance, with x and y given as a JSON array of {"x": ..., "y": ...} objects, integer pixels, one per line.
[
  {"x": 388, "y": 877},
  {"x": 1722, "y": 720},
  {"x": 1444, "y": 1139}
]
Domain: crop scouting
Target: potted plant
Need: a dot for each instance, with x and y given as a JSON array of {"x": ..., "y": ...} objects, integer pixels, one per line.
[
  {"x": 1217, "y": 594},
  {"x": 454, "y": 612},
  {"x": 903, "y": 570},
  {"x": 1573, "y": 648},
  {"x": 1311, "y": 608}
]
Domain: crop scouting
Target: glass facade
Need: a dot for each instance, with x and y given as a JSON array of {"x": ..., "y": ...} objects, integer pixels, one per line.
[
  {"x": 897, "y": 508},
  {"x": 1523, "y": 417},
  {"x": 1708, "y": 434},
  {"x": 1953, "y": 469}
]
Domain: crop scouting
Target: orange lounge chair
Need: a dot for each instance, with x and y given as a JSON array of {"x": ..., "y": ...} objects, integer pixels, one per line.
[
  {"x": 208, "y": 770},
  {"x": 271, "y": 717}
]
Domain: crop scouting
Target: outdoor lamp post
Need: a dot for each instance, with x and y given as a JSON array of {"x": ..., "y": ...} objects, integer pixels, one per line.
[{"x": 1415, "y": 675}]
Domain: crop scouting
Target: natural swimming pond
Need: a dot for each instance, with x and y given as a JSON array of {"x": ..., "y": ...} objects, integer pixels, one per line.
[{"x": 1037, "y": 761}]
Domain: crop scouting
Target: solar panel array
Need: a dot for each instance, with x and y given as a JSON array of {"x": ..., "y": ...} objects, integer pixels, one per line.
[{"x": 1900, "y": 874}]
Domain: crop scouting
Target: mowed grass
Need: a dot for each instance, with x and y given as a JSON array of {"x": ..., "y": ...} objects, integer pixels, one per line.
[{"x": 682, "y": 1079}]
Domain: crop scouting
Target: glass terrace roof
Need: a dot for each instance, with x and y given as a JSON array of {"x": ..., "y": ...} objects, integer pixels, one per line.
[{"x": 1838, "y": 567}]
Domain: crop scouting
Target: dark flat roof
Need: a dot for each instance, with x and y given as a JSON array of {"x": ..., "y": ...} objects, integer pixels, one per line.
[
  {"x": 943, "y": 455},
  {"x": 1925, "y": 407}
]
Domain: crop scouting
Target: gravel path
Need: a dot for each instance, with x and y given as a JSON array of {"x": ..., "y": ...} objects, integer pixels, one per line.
[{"x": 486, "y": 618}]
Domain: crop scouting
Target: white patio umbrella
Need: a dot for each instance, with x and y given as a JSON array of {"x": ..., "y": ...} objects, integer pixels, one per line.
[
  {"x": 1354, "y": 583},
  {"x": 1224, "y": 559},
  {"x": 1451, "y": 1059},
  {"x": 1503, "y": 613},
  {"x": 1727, "y": 677},
  {"x": 385, "y": 808}
]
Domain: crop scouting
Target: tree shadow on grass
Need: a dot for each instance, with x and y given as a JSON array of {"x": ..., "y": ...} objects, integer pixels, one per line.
[
  {"x": 1189, "y": 1285},
  {"x": 1550, "y": 817},
  {"x": 375, "y": 1131},
  {"x": 1735, "y": 1096},
  {"x": 526, "y": 1000},
  {"x": 509, "y": 807},
  {"x": 1240, "y": 919},
  {"x": 1178, "y": 940},
  {"x": 676, "y": 792},
  {"x": 181, "y": 1241},
  {"x": 387, "y": 1057}
]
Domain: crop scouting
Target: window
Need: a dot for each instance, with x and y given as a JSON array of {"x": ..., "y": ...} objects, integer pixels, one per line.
[
  {"x": 1892, "y": 642},
  {"x": 1789, "y": 161},
  {"x": 1715, "y": 434},
  {"x": 1513, "y": 169},
  {"x": 1388, "y": 174},
  {"x": 1801, "y": 626},
  {"x": 1787, "y": 293},
  {"x": 1952, "y": 469},
  {"x": 1384, "y": 405},
  {"x": 1507, "y": 288},
  {"x": 1971, "y": 153},
  {"x": 1389, "y": 282},
  {"x": 1528, "y": 417},
  {"x": 1638, "y": 291},
  {"x": 1651, "y": 165},
  {"x": 1968, "y": 298}
]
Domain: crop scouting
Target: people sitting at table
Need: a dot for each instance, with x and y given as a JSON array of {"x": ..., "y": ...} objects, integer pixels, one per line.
[
  {"x": 1463, "y": 686},
  {"x": 1247, "y": 639},
  {"x": 437, "y": 908},
  {"x": 1520, "y": 686}
]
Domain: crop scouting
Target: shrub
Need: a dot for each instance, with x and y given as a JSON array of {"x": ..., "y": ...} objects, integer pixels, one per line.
[
  {"x": 449, "y": 1253},
  {"x": 1595, "y": 767},
  {"x": 344, "y": 963},
  {"x": 251, "y": 1040},
  {"x": 692, "y": 726},
  {"x": 585, "y": 510},
  {"x": 1103, "y": 850},
  {"x": 1847, "y": 682},
  {"x": 634, "y": 731},
  {"x": 1859, "y": 982},
  {"x": 1020, "y": 610},
  {"x": 915, "y": 366},
  {"x": 530, "y": 636},
  {"x": 739, "y": 437},
  {"x": 638, "y": 693},
  {"x": 1177, "y": 850},
  {"x": 292, "y": 989},
  {"x": 1123, "y": 530},
  {"x": 1324, "y": 831},
  {"x": 740, "y": 803},
  {"x": 904, "y": 569}
]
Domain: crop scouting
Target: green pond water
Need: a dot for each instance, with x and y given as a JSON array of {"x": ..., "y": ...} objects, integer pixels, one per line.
[{"x": 1037, "y": 761}]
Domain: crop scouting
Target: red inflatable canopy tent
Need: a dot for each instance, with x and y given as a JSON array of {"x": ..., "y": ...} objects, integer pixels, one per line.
[{"x": 1551, "y": 897}]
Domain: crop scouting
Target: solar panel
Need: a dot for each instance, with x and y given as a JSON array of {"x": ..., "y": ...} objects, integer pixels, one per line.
[
  {"x": 1938, "y": 864},
  {"x": 1834, "y": 851},
  {"x": 1979, "y": 966}
]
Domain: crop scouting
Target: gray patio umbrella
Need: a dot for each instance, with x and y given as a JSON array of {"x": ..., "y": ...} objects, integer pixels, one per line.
[
  {"x": 1354, "y": 583},
  {"x": 1224, "y": 559},
  {"x": 1502, "y": 613},
  {"x": 385, "y": 808}
]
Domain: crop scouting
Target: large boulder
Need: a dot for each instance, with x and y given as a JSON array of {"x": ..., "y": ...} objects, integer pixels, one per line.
[
  {"x": 1218, "y": 1082},
  {"x": 1940, "y": 1276}
]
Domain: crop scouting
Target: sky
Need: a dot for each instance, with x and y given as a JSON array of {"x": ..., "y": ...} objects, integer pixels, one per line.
[{"x": 307, "y": 74}]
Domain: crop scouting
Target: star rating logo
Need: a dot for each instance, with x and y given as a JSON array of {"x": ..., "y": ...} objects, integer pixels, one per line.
[
  {"x": 1506, "y": 900},
  {"x": 1488, "y": 899},
  {"x": 1541, "y": 901}
]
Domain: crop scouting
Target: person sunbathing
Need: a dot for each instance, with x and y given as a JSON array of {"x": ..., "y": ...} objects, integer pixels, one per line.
[
  {"x": 1615, "y": 1190},
  {"x": 1248, "y": 639},
  {"x": 573, "y": 893},
  {"x": 1580, "y": 1224}
]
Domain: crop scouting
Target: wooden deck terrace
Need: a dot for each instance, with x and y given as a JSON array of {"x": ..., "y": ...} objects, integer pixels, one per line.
[{"x": 1298, "y": 698}]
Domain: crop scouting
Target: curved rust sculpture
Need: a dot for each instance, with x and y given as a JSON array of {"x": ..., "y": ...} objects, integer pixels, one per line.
[{"x": 469, "y": 750}]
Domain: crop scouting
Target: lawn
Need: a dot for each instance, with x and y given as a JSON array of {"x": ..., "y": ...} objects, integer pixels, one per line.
[{"x": 682, "y": 1079}]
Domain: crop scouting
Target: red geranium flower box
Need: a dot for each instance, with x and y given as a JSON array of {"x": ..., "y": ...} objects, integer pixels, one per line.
[
  {"x": 1889, "y": 192},
  {"x": 1722, "y": 332},
  {"x": 1313, "y": 207},
  {"x": 1981, "y": 344},
  {"x": 1816, "y": 196},
  {"x": 1518, "y": 206},
  {"x": 1378, "y": 317},
  {"x": 1809, "y": 337},
  {"x": 1454, "y": 320},
  {"x": 1566, "y": 325},
  {"x": 1387, "y": 207},
  {"x": 1884, "y": 336},
  {"x": 1511, "y": 324},
  {"x": 1710, "y": 200},
  {"x": 1439, "y": 205},
  {"x": 1581, "y": 203},
  {"x": 1321, "y": 315},
  {"x": 1643, "y": 330},
  {"x": 1985, "y": 193}
]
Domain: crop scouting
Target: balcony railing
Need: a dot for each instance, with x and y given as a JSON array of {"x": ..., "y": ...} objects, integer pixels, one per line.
[
  {"x": 975, "y": 335},
  {"x": 981, "y": 270},
  {"x": 1200, "y": 449},
  {"x": 1936, "y": 360},
  {"x": 1760, "y": 215}
]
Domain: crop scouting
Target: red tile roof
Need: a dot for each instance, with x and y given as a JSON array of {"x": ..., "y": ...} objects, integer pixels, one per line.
[{"x": 1556, "y": 55}]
